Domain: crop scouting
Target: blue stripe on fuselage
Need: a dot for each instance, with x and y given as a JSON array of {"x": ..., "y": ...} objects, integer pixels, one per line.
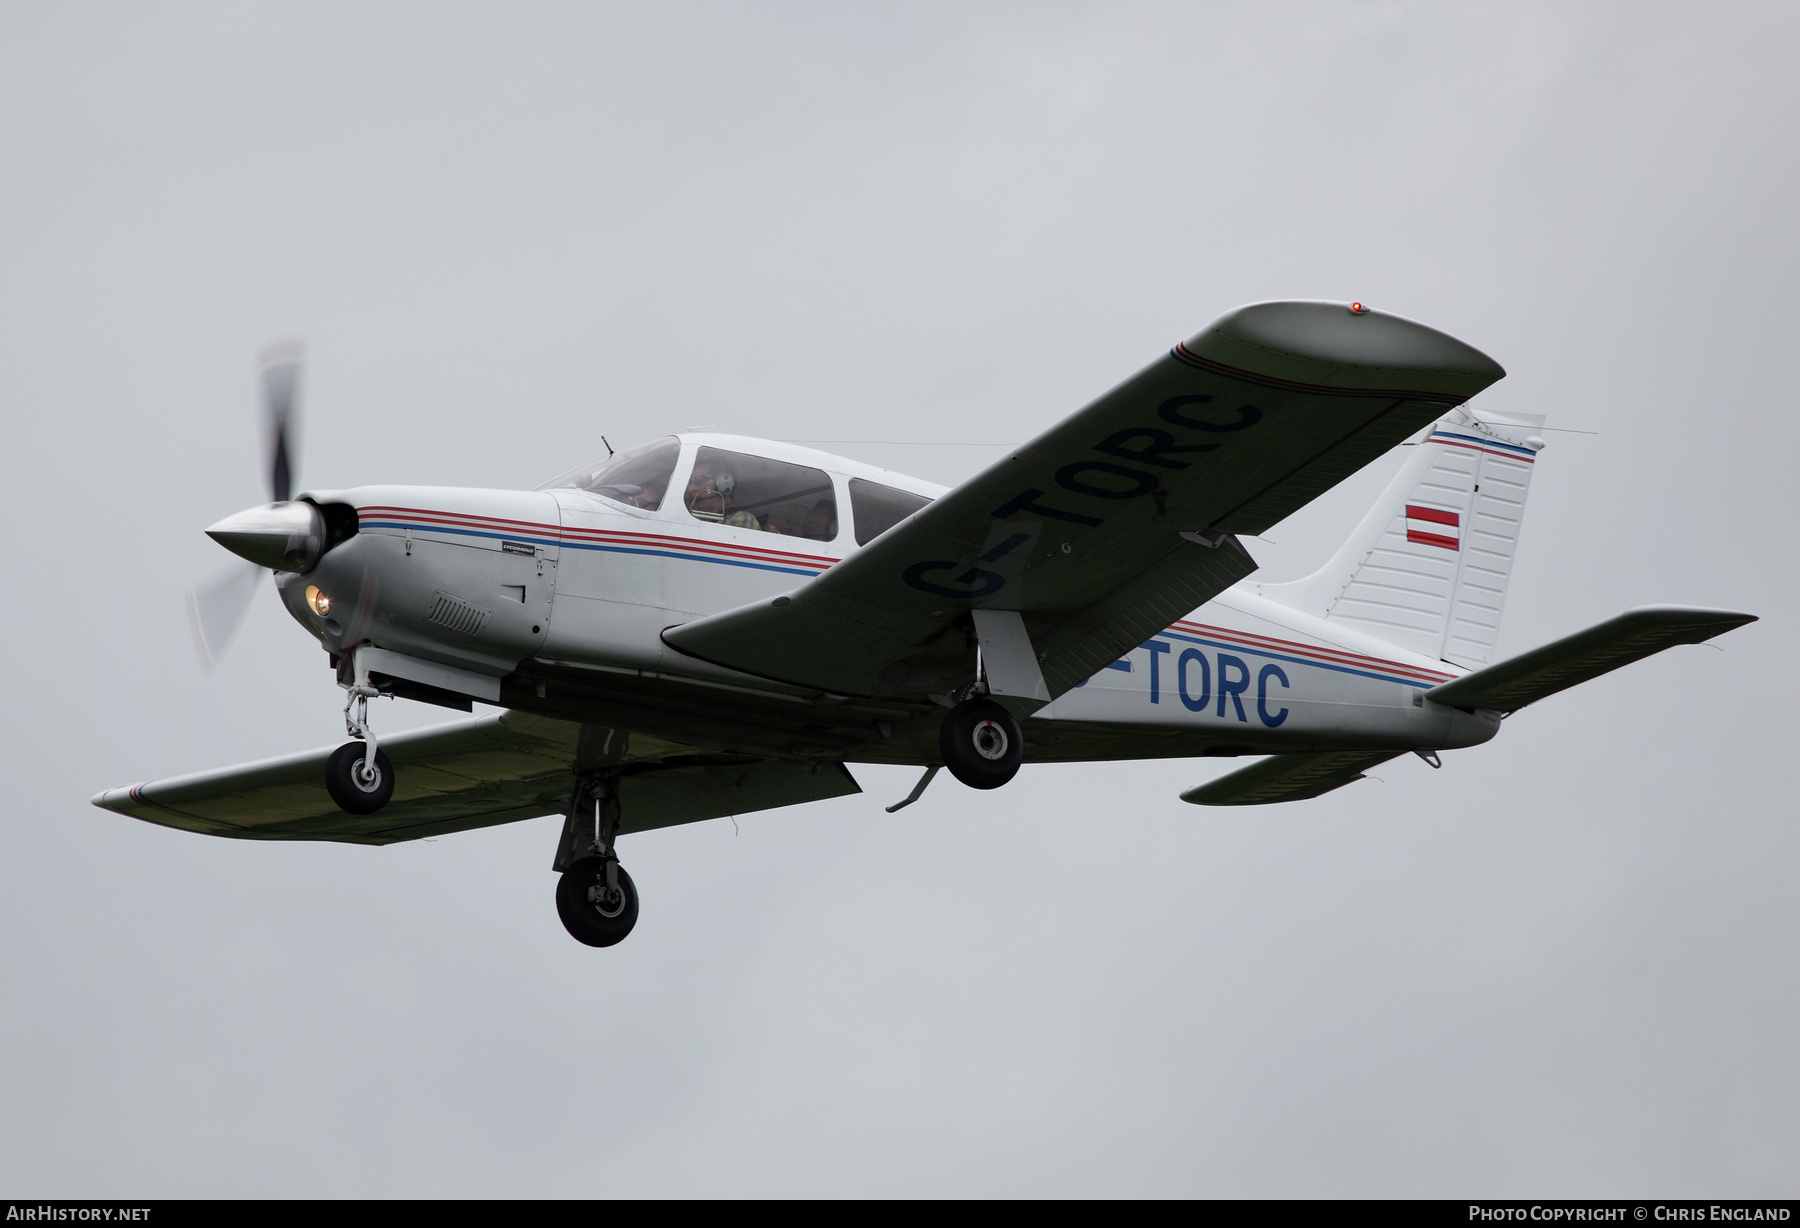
[{"x": 567, "y": 545}]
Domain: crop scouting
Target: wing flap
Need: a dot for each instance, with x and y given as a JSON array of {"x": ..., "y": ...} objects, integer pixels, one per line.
[
  {"x": 1574, "y": 659},
  {"x": 1183, "y": 580},
  {"x": 692, "y": 794},
  {"x": 1229, "y": 432},
  {"x": 1288, "y": 778}
]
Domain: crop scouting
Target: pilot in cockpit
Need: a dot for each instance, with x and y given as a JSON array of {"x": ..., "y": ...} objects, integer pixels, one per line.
[
  {"x": 752, "y": 492},
  {"x": 704, "y": 498},
  {"x": 709, "y": 497},
  {"x": 650, "y": 495}
]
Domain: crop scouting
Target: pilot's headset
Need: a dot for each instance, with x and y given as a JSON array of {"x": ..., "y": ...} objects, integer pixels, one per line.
[{"x": 724, "y": 484}]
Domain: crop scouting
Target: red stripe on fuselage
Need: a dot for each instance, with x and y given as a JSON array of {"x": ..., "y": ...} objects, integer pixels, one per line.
[
  {"x": 379, "y": 510},
  {"x": 1332, "y": 656},
  {"x": 658, "y": 541},
  {"x": 427, "y": 519}
]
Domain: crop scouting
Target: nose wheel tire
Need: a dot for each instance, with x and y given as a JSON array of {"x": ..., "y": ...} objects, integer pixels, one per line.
[
  {"x": 981, "y": 744},
  {"x": 589, "y": 912},
  {"x": 350, "y": 788}
]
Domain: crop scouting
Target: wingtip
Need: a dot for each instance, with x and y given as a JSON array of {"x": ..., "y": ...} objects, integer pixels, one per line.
[
  {"x": 1346, "y": 345},
  {"x": 113, "y": 799},
  {"x": 1701, "y": 618}
]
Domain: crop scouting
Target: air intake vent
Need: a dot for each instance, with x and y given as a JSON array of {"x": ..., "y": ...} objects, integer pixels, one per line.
[{"x": 457, "y": 614}]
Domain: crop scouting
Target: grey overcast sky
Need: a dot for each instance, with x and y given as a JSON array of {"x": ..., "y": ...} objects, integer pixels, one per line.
[{"x": 1563, "y": 965}]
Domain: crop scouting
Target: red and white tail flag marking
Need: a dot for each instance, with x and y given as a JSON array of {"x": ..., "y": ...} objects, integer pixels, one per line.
[{"x": 1429, "y": 526}]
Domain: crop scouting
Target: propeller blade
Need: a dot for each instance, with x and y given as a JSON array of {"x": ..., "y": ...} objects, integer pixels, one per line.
[
  {"x": 279, "y": 367},
  {"x": 216, "y": 609}
]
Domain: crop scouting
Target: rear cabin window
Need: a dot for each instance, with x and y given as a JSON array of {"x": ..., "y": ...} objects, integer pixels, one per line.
[
  {"x": 754, "y": 492},
  {"x": 637, "y": 477},
  {"x": 878, "y": 508}
]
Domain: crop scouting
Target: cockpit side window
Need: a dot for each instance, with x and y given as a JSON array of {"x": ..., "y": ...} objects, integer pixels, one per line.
[
  {"x": 754, "y": 492},
  {"x": 637, "y": 477},
  {"x": 878, "y": 508}
]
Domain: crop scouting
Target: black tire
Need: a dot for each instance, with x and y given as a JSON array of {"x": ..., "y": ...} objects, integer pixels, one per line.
[
  {"x": 343, "y": 779},
  {"x": 589, "y": 917},
  {"x": 981, "y": 744}
]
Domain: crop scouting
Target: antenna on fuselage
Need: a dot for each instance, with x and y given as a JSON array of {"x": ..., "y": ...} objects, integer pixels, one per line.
[{"x": 609, "y": 451}]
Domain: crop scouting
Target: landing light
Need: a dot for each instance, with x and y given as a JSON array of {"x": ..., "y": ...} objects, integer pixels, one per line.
[{"x": 319, "y": 602}]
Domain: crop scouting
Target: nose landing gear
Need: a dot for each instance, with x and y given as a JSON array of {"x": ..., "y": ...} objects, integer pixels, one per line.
[
  {"x": 356, "y": 784},
  {"x": 358, "y": 776},
  {"x": 595, "y": 898}
]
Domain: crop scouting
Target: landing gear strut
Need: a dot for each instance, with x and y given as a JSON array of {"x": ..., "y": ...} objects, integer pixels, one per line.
[
  {"x": 981, "y": 743},
  {"x": 595, "y": 898},
  {"x": 358, "y": 776}
]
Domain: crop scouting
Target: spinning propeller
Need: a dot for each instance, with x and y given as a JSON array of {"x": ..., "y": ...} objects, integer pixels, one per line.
[{"x": 282, "y": 535}]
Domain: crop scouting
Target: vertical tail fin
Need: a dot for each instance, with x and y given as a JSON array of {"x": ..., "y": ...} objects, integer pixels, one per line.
[{"x": 1427, "y": 568}]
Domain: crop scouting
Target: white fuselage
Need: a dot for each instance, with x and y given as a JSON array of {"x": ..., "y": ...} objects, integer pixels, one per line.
[{"x": 486, "y": 581}]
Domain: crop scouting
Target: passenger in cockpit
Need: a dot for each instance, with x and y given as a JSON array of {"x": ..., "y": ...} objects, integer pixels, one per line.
[{"x": 821, "y": 522}]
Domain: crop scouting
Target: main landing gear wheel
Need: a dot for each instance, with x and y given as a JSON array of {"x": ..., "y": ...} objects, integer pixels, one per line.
[
  {"x": 590, "y": 912},
  {"x": 981, "y": 744},
  {"x": 350, "y": 788}
]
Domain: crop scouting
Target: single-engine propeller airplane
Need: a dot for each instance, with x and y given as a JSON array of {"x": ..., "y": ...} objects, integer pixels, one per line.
[{"x": 710, "y": 625}]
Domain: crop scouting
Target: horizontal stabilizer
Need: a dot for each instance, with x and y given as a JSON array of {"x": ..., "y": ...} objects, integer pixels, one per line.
[
  {"x": 1287, "y": 778},
  {"x": 1575, "y": 659}
]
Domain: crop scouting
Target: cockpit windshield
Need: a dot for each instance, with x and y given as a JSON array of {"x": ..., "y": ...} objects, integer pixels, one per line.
[{"x": 637, "y": 477}]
